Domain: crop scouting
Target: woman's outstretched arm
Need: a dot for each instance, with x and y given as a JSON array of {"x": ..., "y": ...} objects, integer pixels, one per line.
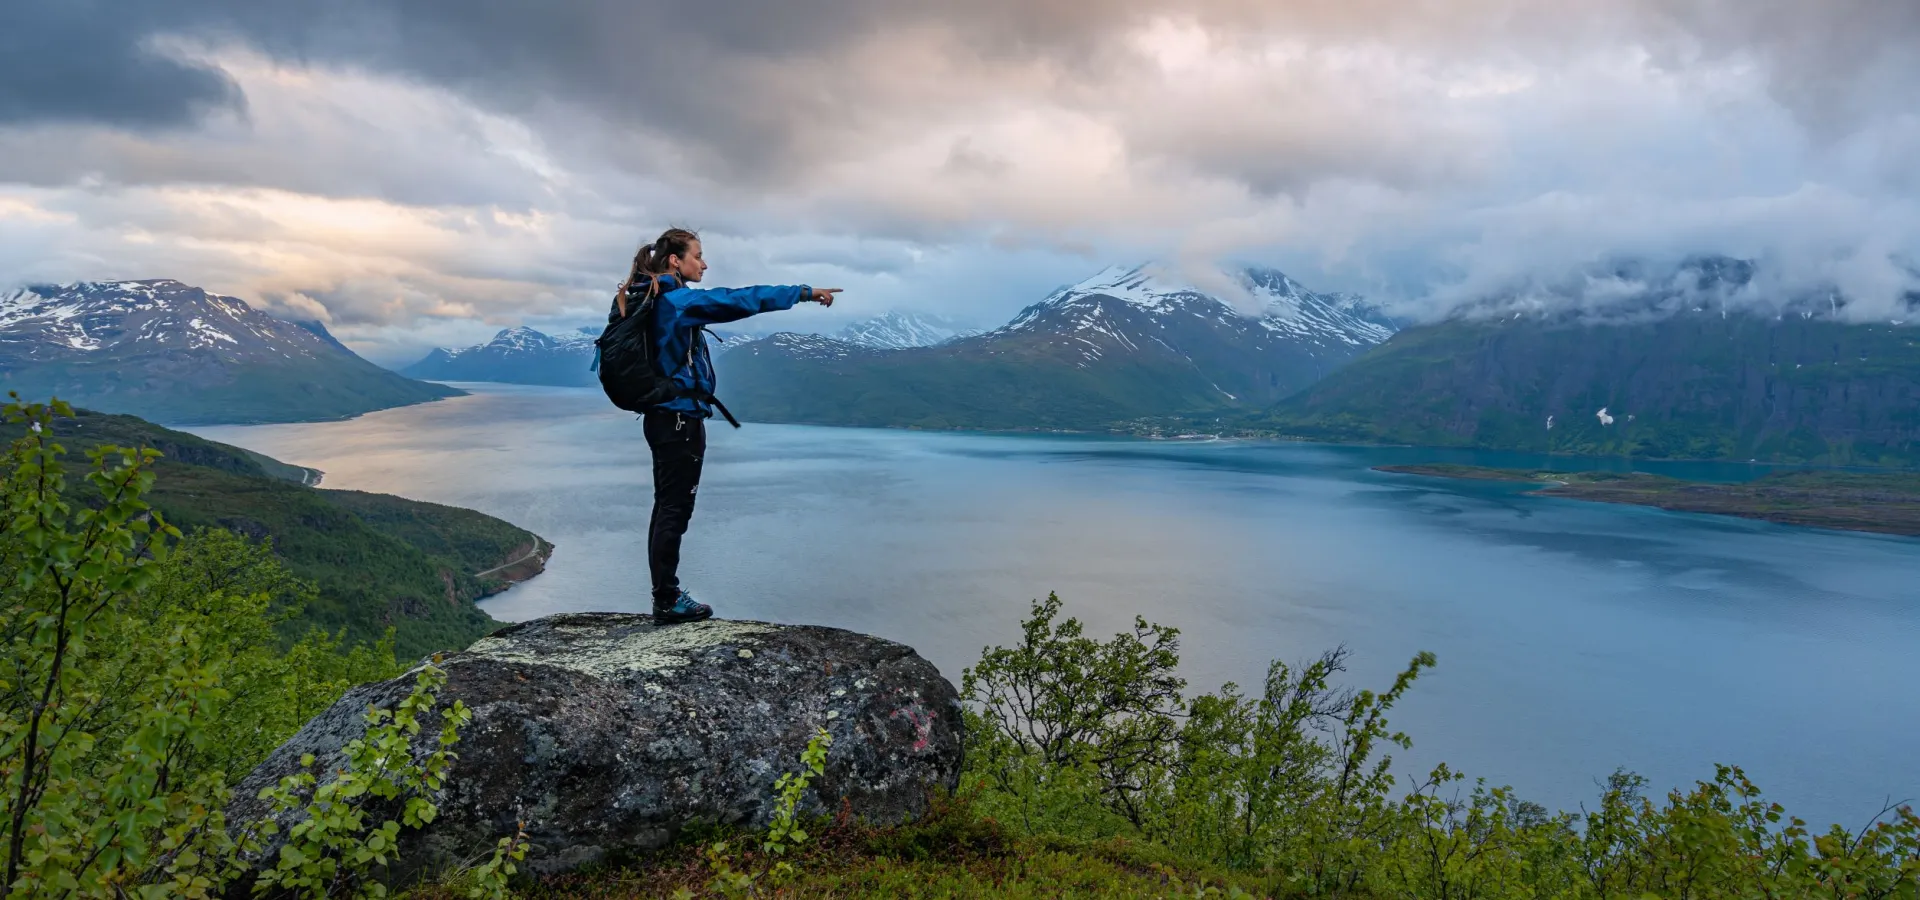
[{"x": 711, "y": 306}]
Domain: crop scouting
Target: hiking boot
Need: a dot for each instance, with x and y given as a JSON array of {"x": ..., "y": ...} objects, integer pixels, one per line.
[{"x": 684, "y": 609}]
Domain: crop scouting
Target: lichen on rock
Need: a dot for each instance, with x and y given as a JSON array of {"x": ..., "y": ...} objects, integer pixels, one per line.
[
  {"x": 612, "y": 653},
  {"x": 606, "y": 734}
]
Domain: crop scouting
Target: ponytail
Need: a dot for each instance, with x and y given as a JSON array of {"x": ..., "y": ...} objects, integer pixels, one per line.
[{"x": 652, "y": 260}]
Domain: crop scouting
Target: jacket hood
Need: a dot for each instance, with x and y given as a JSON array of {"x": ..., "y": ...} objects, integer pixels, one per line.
[
  {"x": 637, "y": 291},
  {"x": 638, "y": 287}
]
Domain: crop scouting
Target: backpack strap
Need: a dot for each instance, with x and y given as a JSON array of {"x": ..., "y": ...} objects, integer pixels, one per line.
[{"x": 722, "y": 407}]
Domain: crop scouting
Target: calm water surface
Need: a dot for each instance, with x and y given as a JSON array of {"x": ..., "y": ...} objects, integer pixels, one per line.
[{"x": 1573, "y": 638}]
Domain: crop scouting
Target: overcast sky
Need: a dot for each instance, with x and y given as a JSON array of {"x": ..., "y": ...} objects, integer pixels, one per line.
[{"x": 426, "y": 172}]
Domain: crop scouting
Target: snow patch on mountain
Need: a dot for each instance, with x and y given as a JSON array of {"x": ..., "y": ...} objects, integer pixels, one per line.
[
  {"x": 518, "y": 355},
  {"x": 1283, "y": 306},
  {"x": 897, "y": 330},
  {"x": 46, "y": 321},
  {"x": 805, "y": 346},
  {"x": 1142, "y": 285},
  {"x": 521, "y": 340},
  {"x": 585, "y": 335}
]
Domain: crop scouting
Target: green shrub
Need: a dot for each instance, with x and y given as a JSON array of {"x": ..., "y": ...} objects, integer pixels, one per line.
[
  {"x": 784, "y": 833},
  {"x": 1075, "y": 733},
  {"x": 142, "y": 672},
  {"x": 93, "y": 791},
  {"x": 1072, "y": 736},
  {"x": 349, "y": 823}
]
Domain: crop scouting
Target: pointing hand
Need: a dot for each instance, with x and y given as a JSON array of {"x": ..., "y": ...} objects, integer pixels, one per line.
[{"x": 824, "y": 296}]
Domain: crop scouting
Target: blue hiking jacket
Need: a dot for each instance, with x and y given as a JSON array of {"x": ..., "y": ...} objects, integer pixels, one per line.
[{"x": 680, "y": 317}]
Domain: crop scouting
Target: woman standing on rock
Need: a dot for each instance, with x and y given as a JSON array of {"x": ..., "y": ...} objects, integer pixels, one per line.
[{"x": 676, "y": 429}]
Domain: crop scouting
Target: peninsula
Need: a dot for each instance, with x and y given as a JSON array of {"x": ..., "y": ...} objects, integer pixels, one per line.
[{"x": 1880, "y": 502}]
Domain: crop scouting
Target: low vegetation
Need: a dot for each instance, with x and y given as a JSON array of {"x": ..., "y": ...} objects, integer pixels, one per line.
[
  {"x": 1091, "y": 772},
  {"x": 375, "y": 562},
  {"x": 144, "y": 672}
]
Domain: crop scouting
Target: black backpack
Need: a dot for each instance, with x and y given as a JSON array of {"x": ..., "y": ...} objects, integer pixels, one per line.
[{"x": 629, "y": 372}]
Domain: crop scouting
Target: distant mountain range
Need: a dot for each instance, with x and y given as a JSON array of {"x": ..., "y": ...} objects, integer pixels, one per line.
[
  {"x": 1693, "y": 361},
  {"x": 1686, "y": 363},
  {"x": 523, "y": 355},
  {"x": 172, "y": 352},
  {"x": 897, "y": 330},
  {"x": 515, "y": 356},
  {"x": 1128, "y": 343}
]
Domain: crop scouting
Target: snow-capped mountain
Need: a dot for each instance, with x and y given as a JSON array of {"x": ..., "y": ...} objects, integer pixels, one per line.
[
  {"x": 801, "y": 346},
  {"x": 72, "y": 321},
  {"x": 897, "y": 330},
  {"x": 1129, "y": 342},
  {"x": 1331, "y": 324},
  {"x": 892, "y": 330},
  {"x": 1273, "y": 339},
  {"x": 517, "y": 355},
  {"x": 172, "y": 352}
]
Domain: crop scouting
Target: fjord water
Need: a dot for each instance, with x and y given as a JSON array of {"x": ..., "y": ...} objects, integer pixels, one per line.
[{"x": 1573, "y": 638}]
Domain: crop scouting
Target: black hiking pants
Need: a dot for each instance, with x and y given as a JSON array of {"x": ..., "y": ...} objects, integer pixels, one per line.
[{"x": 679, "y": 444}]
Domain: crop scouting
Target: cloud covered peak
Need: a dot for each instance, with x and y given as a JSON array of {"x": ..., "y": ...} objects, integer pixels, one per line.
[
  {"x": 421, "y": 173},
  {"x": 1640, "y": 289}
]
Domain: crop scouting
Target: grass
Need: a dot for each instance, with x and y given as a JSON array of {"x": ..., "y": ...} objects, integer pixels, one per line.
[{"x": 952, "y": 853}]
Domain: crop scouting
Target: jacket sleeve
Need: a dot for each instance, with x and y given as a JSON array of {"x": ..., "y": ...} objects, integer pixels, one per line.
[{"x": 715, "y": 305}]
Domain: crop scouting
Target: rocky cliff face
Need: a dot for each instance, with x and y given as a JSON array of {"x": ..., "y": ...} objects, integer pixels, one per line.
[{"x": 607, "y": 734}]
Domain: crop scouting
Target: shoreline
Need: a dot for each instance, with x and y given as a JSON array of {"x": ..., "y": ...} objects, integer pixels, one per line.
[
  {"x": 518, "y": 570},
  {"x": 1177, "y": 429},
  {"x": 1874, "y": 503}
]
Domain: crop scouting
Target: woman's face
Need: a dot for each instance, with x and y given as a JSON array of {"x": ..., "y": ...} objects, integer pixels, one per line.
[{"x": 690, "y": 267}]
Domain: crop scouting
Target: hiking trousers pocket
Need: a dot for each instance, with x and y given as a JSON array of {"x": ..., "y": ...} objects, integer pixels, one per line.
[{"x": 679, "y": 445}]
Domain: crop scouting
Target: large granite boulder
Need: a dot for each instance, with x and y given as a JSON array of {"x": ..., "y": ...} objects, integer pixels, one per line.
[{"x": 606, "y": 733}]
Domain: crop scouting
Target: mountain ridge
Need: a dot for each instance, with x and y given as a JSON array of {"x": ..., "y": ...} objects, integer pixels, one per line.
[
  {"x": 517, "y": 355},
  {"x": 525, "y": 355},
  {"x": 376, "y": 560},
  {"x": 1686, "y": 363},
  {"x": 178, "y": 353},
  {"x": 898, "y": 330},
  {"x": 1125, "y": 344}
]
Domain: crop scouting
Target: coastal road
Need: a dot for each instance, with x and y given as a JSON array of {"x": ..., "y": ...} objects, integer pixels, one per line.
[{"x": 530, "y": 554}]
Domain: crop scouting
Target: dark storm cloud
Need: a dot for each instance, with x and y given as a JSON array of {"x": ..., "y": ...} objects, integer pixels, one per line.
[
  {"x": 766, "y": 90},
  {"x": 78, "y": 61},
  {"x": 1475, "y": 140},
  {"x": 1834, "y": 62}
]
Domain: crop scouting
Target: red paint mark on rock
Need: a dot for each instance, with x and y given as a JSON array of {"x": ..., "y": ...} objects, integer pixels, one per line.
[{"x": 922, "y": 720}]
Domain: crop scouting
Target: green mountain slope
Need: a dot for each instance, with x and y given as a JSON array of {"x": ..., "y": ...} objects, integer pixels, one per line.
[
  {"x": 812, "y": 380},
  {"x": 191, "y": 393},
  {"x": 1124, "y": 345},
  {"x": 1699, "y": 385},
  {"x": 376, "y": 560}
]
